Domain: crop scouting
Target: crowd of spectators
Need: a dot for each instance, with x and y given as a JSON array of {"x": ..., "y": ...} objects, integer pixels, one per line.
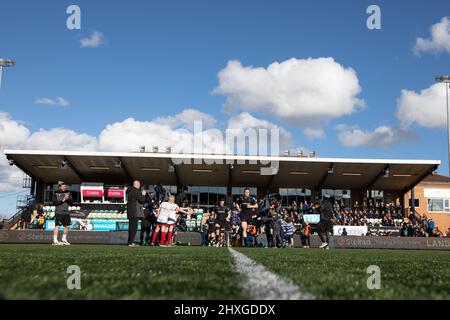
[
  {"x": 378, "y": 215},
  {"x": 290, "y": 220},
  {"x": 33, "y": 217}
]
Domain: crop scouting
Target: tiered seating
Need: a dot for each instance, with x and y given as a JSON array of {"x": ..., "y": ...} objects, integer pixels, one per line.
[
  {"x": 195, "y": 221},
  {"x": 375, "y": 221},
  {"x": 49, "y": 211},
  {"x": 106, "y": 215},
  {"x": 94, "y": 214}
]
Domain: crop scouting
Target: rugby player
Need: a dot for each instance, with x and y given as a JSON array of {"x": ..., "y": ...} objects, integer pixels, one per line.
[
  {"x": 211, "y": 226},
  {"x": 166, "y": 220},
  {"x": 223, "y": 215},
  {"x": 246, "y": 204}
]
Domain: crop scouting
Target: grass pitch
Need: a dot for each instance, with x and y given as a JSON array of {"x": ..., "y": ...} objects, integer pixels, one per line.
[
  {"x": 119, "y": 272},
  {"x": 342, "y": 273}
]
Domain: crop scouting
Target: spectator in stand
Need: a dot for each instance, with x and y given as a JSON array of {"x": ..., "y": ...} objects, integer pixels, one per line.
[
  {"x": 41, "y": 222},
  {"x": 306, "y": 207},
  {"x": 431, "y": 225},
  {"x": 40, "y": 218},
  {"x": 436, "y": 232},
  {"x": 26, "y": 217}
]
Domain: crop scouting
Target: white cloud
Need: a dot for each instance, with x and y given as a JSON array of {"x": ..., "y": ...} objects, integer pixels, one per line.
[
  {"x": 96, "y": 39},
  {"x": 380, "y": 137},
  {"x": 302, "y": 91},
  {"x": 186, "y": 119},
  {"x": 426, "y": 109},
  {"x": 245, "y": 121},
  {"x": 127, "y": 135},
  {"x": 12, "y": 134},
  {"x": 59, "y": 101},
  {"x": 439, "y": 41},
  {"x": 60, "y": 139},
  {"x": 177, "y": 132},
  {"x": 314, "y": 133}
]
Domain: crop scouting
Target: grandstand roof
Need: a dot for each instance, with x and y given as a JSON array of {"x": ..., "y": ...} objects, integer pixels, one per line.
[{"x": 299, "y": 172}]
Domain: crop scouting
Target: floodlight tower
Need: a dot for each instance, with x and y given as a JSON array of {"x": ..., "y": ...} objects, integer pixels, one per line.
[
  {"x": 5, "y": 63},
  {"x": 446, "y": 81}
]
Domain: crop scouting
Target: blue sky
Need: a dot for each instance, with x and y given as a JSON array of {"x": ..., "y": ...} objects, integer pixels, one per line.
[{"x": 161, "y": 57}]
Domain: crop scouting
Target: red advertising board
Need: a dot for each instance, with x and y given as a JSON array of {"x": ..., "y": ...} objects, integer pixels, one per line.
[
  {"x": 92, "y": 193},
  {"x": 114, "y": 193}
]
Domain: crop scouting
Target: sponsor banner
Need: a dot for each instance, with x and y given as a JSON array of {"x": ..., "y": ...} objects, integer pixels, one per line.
[
  {"x": 112, "y": 193},
  {"x": 92, "y": 193},
  {"x": 85, "y": 225},
  {"x": 379, "y": 242},
  {"x": 80, "y": 237},
  {"x": 351, "y": 230},
  {"x": 83, "y": 237},
  {"x": 384, "y": 231},
  {"x": 92, "y": 237},
  {"x": 311, "y": 218}
]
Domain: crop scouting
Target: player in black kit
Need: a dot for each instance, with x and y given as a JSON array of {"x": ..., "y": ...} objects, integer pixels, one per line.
[
  {"x": 245, "y": 205},
  {"x": 211, "y": 224},
  {"x": 223, "y": 215}
]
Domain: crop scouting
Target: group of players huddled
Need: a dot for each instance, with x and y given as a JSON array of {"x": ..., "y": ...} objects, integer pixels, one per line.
[
  {"x": 224, "y": 226},
  {"x": 160, "y": 219},
  {"x": 163, "y": 218}
]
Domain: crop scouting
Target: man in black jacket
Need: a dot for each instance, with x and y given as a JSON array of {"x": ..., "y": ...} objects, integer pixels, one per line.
[
  {"x": 62, "y": 199},
  {"x": 148, "y": 222},
  {"x": 326, "y": 216},
  {"x": 135, "y": 209}
]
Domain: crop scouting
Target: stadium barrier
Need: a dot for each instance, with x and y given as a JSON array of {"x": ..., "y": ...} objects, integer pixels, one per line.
[
  {"x": 193, "y": 238},
  {"x": 83, "y": 237}
]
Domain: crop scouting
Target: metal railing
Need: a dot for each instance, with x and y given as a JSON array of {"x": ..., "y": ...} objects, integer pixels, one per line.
[{"x": 10, "y": 223}]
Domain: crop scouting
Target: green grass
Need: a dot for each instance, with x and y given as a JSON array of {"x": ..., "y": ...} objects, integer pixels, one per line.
[
  {"x": 342, "y": 274},
  {"x": 117, "y": 272}
]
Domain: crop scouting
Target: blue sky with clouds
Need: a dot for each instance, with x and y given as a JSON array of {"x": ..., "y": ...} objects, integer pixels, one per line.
[{"x": 158, "y": 58}]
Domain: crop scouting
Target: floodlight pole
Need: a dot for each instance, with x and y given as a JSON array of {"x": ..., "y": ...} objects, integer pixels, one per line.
[
  {"x": 448, "y": 126},
  {"x": 446, "y": 81},
  {"x": 5, "y": 63},
  {"x": 1, "y": 74}
]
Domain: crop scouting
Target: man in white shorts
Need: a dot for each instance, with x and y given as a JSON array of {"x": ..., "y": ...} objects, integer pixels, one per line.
[{"x": 166, "y": 221}]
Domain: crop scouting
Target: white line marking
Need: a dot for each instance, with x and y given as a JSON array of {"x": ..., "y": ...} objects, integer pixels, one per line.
[{"x": 261, "y": 284}]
